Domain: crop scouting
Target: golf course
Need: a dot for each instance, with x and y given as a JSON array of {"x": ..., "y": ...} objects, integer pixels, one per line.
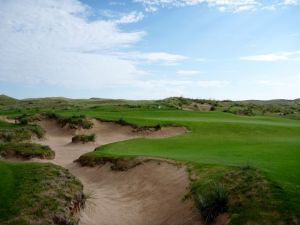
[{"x": 154, "y": 158}]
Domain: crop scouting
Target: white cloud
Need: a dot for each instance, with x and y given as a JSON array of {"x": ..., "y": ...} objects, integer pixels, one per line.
[
  {"x": 221, "y": 5},
  {"x": 188, "y": 72},
  {"x": 49, "y": 41},
  {"x": 162, "y": 56},
  {"x": 131, "y": 17},
  {"x": 272, "y": 57},
  {"x": 152, "y": 57},
  {"x": 291, "y": 2}
]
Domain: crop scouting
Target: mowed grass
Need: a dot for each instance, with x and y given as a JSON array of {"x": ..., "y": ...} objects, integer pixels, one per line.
[{"x": 270, "y": 144}]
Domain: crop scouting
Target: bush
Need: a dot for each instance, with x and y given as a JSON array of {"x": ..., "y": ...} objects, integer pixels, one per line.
[
  {"x": 84, "y": 138},
  {"x": 213, "y": 202}
]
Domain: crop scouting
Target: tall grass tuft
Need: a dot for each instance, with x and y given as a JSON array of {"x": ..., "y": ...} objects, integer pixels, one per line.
[{"x": 213, "y": 202}]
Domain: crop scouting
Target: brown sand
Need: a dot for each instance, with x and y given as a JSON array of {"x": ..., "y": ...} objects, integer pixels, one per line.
[{"x": 149, "y": 194}]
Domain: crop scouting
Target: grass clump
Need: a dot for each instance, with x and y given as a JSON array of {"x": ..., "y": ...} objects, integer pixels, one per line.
[
  {"x": 17, "y": 132},
  {"x": 83, "y": 138},
  {"x": 117, "y": 163},
  {"x": 75, "y": 122},
  {"x": 26, "y": 151},
  {"x": 212, "y": 202}
]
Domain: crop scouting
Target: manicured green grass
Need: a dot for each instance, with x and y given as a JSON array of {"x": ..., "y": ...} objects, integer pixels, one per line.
[
  {"x": 271, "y": 144},
  {"x": 37, "y": 194}
]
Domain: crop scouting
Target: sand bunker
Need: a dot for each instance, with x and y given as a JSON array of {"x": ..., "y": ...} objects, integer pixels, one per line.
[{"x": 149, "y": 194}]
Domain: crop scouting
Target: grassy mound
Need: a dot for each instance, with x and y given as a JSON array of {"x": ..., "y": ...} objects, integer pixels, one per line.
[
  {"x": 83, "y": 138},
  {"x": 26, "y": 151},
  {"x": 38, "y": 194},
  {"x": 243, "y": 192},
  {"x": 19, "y": 132}
]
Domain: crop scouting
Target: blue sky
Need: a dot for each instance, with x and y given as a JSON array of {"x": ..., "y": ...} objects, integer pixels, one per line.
[{"x": 142, "y": 49}]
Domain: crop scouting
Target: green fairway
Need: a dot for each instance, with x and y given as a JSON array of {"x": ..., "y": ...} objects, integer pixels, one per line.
[{"x": 270, "y": 144}]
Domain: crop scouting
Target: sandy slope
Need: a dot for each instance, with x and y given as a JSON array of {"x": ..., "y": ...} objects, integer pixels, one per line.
[{"x": 149, "y": 194}]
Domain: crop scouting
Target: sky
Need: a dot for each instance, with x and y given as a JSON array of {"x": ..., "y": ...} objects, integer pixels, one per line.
[{"x": 150, "y": 49}]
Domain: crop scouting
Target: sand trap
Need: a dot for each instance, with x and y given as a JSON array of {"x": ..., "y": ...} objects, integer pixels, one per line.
[
  {"x": 59, "y": 139},
  {"x": 149, "y": 194}
]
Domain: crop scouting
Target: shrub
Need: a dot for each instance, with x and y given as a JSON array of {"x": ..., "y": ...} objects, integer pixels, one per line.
[
  {"x": 84, "y": 138},
  {"x": 213, "y": 202}
]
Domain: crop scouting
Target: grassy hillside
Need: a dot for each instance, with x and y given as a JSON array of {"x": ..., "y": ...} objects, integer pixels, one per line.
[{"x": 38, "y": 194}]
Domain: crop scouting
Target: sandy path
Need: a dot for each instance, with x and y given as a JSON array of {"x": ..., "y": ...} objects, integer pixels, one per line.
[{"x": 149, "y": 194}]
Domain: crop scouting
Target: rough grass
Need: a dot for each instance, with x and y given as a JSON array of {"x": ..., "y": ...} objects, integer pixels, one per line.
[
  {"x": 38, "y": 194},
  {"x": 212, "y": 202},
  {"x": 83, "y": 138},
  {"x": 117, "y": 163},
  {"x": 19, "y": 132},
  {"x": 26, "y": 151},
  {"x": 73, "y": 122},
  {"x": 244, "y": 192}
]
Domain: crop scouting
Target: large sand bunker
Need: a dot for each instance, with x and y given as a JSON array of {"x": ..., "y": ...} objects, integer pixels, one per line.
[{"x": 149, "y": 194}]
